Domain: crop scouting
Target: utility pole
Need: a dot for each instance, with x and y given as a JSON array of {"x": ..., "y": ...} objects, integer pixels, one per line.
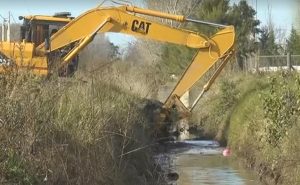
[
  {"x": 289, "y": 62},
  {"x": 8, "y": 28},
  {"x": 255, "y": 18},
  {"x": 256, "y": 41},
  {"x": 3, "y": 30}
]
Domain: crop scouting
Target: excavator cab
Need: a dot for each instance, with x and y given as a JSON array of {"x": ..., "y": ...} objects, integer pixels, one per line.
[{"x": 39, "y": 28}]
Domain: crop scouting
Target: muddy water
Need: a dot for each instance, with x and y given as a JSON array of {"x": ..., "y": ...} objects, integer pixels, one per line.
[{"x": 201, "y": 163}]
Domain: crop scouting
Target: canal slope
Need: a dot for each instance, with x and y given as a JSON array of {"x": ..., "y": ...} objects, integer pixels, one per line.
[{"x": 257, "y": 116}]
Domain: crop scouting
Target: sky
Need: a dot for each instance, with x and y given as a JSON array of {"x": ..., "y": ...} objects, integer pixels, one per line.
[
  {"x": 28, "y": 7},
  {"x": 50, "y": 7},
  {"x": 283, "y": 12}
]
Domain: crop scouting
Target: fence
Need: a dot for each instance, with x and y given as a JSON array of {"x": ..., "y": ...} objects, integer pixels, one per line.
[{"x": 272, "y": 63}]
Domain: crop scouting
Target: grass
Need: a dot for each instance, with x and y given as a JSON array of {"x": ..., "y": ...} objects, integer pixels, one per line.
[
  {"x": 83, "y": 130},
  {"x": 261, "y": 125},
  {"x": 214, "y": 110}
]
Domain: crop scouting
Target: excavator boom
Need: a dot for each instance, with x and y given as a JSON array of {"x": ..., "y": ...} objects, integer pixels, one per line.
[
  {"x": 79, "y": 32},
  {"x": 122, "y": 21}
]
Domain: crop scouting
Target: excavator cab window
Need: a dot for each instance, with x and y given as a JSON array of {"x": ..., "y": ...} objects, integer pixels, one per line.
[
  {"x": 25, "y": 31},
  {"x": 38, "y": 30},
  {"x": 39, "y": 33}
]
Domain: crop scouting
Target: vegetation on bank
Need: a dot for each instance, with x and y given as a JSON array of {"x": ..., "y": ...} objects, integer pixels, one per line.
[
  {"x": 82, "y": 130},
  {"x": 85, "y": 130},
  {"x": 258, "y": 115}
]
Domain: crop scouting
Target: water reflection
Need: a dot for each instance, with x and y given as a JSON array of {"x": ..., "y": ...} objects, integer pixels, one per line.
[{"x": 201, "y": 163}]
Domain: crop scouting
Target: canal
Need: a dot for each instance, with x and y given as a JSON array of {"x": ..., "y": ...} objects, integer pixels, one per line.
[{"x": 199, "y": 162}]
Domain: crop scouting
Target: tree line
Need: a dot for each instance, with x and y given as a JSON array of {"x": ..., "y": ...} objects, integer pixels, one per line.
[{"x": 251, "y": 36}]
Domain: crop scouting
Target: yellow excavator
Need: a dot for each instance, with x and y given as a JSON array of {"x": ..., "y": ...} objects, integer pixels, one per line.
[{"x": 52, "y": 43}]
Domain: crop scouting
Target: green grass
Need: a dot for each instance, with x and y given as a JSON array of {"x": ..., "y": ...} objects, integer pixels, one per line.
[{"x": 263, "y": 126}]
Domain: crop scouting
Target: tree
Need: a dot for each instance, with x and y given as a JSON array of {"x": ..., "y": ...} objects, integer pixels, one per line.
[
  {"x": 267, "y": 44},
  {"x": 293, "y": 43},
  {"x": 178, "y": 7},
  {"x": 242, "y": 16},
  {"x": 143, "y": 52},
  {"x": 99, "y": 52},
  {"x": 173, "y": 58},
  {"x": 211, "y": 11}
]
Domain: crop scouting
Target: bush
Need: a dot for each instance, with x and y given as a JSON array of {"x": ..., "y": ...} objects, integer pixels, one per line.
[
  {"x": 264, "y": 129},
  {"x": 72, "y": 131},
  {"x": 219, "y": 102},
  {"x": 228, "y": 95},
  {"x": 281, "y": 107}
]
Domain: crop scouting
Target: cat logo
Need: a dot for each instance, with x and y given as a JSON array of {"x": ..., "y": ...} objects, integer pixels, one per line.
[{"x": 140, "y": 27}]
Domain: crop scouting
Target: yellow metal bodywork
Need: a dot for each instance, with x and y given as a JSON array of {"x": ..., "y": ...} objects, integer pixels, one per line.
[
  {"x": 179, "y": 18},
  {"x": 48, "y": 18},
  {"x": 84, "y": 42},
  {"x": 221, "y": 45},
  {"x": 22, "y": 55},
  {"x": 82, "y": 30},
  {"x": 123, "y": 22}
]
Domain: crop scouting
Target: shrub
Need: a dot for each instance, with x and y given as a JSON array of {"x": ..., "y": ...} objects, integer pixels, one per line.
[
  {"x": 72, "y": 131},
  {"x": 281, "y": 106}
]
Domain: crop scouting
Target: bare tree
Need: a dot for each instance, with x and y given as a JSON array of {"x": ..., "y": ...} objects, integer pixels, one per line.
[
  {"x": 14, "y": 32},
  {"x": 147, "y": 51},
  {"x": 143, "y": 52},
  {"x": 97, "y": 53},
  {"x": 174, "y": 7}
]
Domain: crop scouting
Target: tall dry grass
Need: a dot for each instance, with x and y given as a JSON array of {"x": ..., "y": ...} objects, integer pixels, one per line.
[{"x": 82, "y": 130}]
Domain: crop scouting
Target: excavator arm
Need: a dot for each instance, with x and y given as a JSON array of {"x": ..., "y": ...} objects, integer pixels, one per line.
[
  {"x": 220, "y": 50},
  {"x": 119, "y": 20},
  {"x": 217, "y": 48},
  {"x": 80, "y": 31}
]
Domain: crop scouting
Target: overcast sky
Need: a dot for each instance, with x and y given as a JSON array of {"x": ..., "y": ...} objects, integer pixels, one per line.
[{"x": 282, "y": 11}]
